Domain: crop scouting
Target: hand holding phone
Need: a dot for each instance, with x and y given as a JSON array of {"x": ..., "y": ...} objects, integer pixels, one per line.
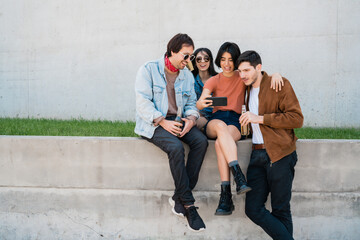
[{"x": 218, "y": 101}]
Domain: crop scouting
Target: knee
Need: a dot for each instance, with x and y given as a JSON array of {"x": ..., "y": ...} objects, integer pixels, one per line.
[
  {"x": 175, "y": 148},
  {"x": 220, "y": 126},
  {"x": 204, "y": 143},
  {"x": 252, "y": 212},
  {"x": 283, "y": 213},
  {"x": 200, "y": 141}
]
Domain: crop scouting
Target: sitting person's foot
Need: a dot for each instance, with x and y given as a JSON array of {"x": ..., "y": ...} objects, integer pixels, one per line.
[
  {"x": 243, "y": 189},
  {"x": 195, "y": 223},
  {"x": 177, "y": 207}
]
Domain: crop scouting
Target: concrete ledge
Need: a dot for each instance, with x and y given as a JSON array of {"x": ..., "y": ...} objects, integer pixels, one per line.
[
  {"x": 133, "y": 163},
  {"x": 118, "y": 188}
]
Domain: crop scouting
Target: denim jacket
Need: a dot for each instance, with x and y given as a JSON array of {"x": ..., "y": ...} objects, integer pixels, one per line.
[
  {"x": 199, "y": 85},
  {"x": 152, "y": 98}
]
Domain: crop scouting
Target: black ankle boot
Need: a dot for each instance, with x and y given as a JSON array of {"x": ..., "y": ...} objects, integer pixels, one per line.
[
  {"x": 241, "y": 184},
  {"x": 226, "y": 205}
]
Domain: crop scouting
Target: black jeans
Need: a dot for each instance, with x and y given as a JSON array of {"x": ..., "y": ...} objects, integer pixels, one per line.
[
  {"x": 185, "y": 175},
  {"x": 264, "y": 177}
]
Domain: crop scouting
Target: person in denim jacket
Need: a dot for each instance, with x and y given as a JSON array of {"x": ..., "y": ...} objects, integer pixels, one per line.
[{"x": 164, "y": 89}]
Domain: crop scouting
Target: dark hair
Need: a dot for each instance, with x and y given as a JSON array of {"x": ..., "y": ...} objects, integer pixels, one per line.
[
  {"x": 211, "y": 69},
  {"x": 229, "y": 47},
  {"x": 176, "y": 43},
  {"x": 249, "y": 56}
]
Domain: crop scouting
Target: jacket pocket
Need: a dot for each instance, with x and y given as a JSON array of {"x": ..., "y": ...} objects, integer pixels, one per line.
[{"x": 158, "y": 93}]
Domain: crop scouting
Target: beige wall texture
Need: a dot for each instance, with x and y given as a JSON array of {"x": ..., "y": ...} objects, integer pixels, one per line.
[{"x": 78, "y": 59}]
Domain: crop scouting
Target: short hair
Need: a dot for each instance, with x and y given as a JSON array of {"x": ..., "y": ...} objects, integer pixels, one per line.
[
  {"x": 211, "y": 69},
  {"x": 229, "y": 47},
  {"x": 249, "y": 56},
  {"x": 176, "y": 43}
]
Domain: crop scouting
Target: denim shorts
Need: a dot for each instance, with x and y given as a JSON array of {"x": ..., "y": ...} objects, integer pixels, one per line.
[
  {"x": 206, "y": 112},
  {"x": 228, "y": 117}
]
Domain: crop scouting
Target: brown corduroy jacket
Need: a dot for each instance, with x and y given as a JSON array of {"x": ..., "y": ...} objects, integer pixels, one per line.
[{"x": 282, "y": 113}]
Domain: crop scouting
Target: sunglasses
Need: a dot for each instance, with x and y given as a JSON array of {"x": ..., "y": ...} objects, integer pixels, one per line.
[
  {"x": 200, "y": 59},
  {"x": 186, "y": 56}
]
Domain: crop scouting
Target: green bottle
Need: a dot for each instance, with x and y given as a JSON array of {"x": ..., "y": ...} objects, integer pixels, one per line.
[{"x": 178, "y": 117}]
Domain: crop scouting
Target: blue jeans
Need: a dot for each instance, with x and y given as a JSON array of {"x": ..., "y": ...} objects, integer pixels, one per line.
[
  {"x": 185, "y": 176},
  {"x": 264, "y": 177}
]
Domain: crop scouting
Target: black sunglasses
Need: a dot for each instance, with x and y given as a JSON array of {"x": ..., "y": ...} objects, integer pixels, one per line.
[{"x": 199, "y": 59}]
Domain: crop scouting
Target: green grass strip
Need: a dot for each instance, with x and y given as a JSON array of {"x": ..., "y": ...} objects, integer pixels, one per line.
[
  {"x": 51, "y": 127},
  {"x": 327, "y": 133}
]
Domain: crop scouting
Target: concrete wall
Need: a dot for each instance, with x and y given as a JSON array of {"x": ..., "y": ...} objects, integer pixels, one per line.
[
  {"x": 71, "y": 59},
  {"x": 118, "y": 188}
]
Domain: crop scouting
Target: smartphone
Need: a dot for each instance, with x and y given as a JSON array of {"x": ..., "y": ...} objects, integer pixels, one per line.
[{"x": 218, "y": 101}]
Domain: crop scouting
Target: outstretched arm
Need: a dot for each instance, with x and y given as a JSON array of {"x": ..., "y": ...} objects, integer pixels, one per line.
[
  {"x": 290, "y": 115},
  {"x": 276, "y": 82},
  {"x": 202, "y": 102}
]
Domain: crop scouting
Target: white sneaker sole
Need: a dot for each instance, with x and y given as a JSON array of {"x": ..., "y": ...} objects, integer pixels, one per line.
[
  {"x": 193, "y": 230},
  {"x": 172, "y": 204}
]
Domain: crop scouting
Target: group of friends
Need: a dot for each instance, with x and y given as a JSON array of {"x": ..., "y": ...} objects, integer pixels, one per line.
[{"x": 166, "y": 86}]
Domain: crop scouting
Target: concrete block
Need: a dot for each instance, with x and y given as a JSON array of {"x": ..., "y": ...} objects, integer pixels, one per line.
[
  {"x": 133, "y": 163},
  {"x": 47, "y": 213},
  {"x": 118, "y": 188}
]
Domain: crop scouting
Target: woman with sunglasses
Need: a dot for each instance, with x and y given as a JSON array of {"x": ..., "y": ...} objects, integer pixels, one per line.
[
  {"x": 224, "y": 123},
  {"x": 203, "y": 70}
]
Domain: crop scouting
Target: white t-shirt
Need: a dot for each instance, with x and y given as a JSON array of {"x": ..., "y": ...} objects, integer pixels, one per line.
[{"x": 257, "y": 137}]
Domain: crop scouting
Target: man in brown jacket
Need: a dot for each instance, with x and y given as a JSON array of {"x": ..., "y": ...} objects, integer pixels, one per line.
[{"x": 273, "y": 117}]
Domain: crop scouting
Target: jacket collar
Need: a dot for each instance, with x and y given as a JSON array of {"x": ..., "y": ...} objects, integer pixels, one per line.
[{"x": 265, "y": 78}]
